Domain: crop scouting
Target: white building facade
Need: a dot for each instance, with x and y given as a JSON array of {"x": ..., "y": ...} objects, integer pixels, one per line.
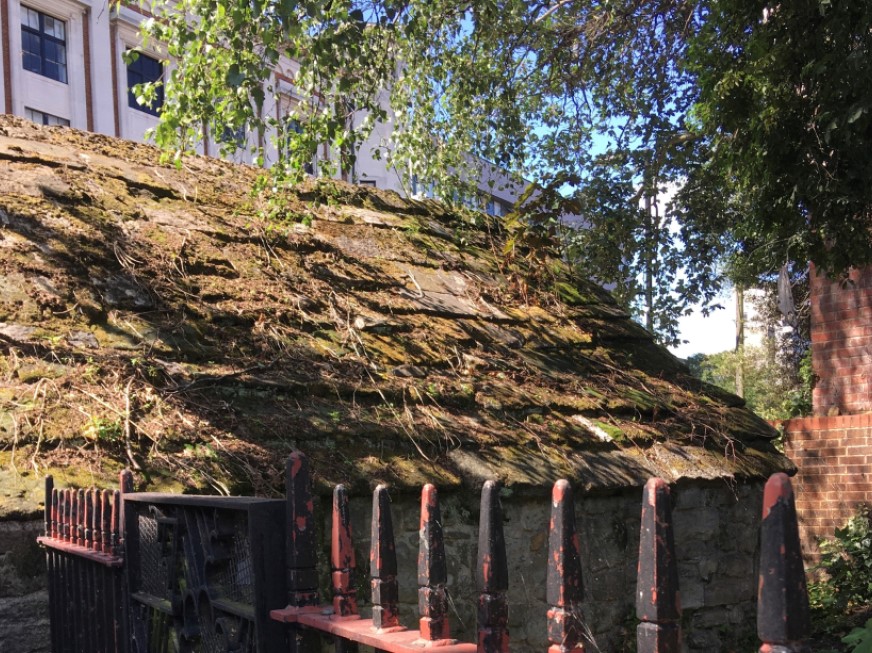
[{"x": 63, "y": 63}]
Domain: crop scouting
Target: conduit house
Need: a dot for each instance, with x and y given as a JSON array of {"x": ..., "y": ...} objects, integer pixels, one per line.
[{"x": 152, "y": 318}]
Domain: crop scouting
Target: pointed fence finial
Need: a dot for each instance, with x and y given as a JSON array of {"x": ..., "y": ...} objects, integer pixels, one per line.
[
  {"x": 782, "y": 600},
  {"x": 564, "y": 589},
  {"x": 383, "y": 563},
  {"x": 49, "y": 491},
  {"x": 432, "y": 570},
  {"x": 342, "y": 559},
  {"x": 493, "y": 574},
  {"x": 658, "y": 603},
  {"x": 300, "y": 546},
  {"x": 125, "y": 481}
]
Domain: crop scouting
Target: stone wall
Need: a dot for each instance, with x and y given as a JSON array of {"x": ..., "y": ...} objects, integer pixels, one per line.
[
  {"x": 23, "y": 595},
  {"x": 716, "y": 532},
  {"x": 834, "y": 456},
  {"x": 841, "y": 336}
]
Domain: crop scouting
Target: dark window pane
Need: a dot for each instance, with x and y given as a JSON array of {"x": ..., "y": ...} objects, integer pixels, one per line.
[
  {"x": 43, "y": 44},
  {"x": 141, "y": 71},
  {"x": 32, "y": 63},
  {"x": 30, "y": 42},
  {"x": 50, "y": 69},
  {"x": 53, "y": 52}
]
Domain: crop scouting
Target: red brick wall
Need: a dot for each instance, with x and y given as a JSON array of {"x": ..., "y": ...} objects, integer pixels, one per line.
[
  {"x": 834, "y": 456},
  {"x": 841, "y": 336}
]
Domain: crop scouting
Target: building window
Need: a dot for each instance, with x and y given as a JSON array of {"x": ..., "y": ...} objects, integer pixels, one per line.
[
  {"x": 143, "y": 69},
  {"x": 44, "y": 44},
  {"x": 42, "y": 118},
  {"x": 235, "y": 137},
  {"x": 497, "y": 208},
  {"x": 421, "y": 190},
  {"x": 294, "y": 126},
  {"x": 367, "y": 182}
]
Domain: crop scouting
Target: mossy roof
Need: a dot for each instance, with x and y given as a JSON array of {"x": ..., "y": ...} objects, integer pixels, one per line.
[{"x": 153, "y": 316}]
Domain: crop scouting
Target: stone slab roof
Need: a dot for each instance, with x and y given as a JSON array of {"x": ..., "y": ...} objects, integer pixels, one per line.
[{"x": 156, "y": 316}]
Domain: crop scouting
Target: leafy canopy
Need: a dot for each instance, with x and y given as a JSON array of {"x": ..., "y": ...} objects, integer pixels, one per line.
[{"x": 756, "y": 117}]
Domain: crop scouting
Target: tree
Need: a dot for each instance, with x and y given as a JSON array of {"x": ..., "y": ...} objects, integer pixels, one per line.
[
  {"x": 776, "y": 375},
  {"x": 759, "y": 117},
  {"x": 785, "y": 95}
]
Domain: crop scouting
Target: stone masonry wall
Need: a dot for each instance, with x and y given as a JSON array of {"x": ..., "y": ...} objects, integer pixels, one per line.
[
  {"x": 841, "y": 336},
  {"x": 834, "y": 456},
  {"x": 23, "y": 595},
  {"x": 716, "y": 533}
]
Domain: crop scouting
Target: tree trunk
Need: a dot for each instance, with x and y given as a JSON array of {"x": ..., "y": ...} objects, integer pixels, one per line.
[
  {"x": 740, "y": 341},
  {"x": 650, "y": 254}
]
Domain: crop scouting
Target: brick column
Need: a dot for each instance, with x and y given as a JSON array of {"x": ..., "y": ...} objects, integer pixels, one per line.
[{"x": 841, "y": 335}]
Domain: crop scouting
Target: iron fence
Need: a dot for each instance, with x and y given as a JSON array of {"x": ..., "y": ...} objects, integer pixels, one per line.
[{"x": 188, "y": 573}]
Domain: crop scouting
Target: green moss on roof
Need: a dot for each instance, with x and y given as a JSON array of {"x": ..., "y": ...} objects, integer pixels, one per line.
[{"x": 179, "y": 331}]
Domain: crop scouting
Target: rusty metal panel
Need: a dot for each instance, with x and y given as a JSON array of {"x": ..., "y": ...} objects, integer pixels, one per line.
[{"x": 202, "y": 573}]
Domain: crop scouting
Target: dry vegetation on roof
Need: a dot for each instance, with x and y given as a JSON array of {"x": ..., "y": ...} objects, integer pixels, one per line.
[{"x": 150, "y": 318}]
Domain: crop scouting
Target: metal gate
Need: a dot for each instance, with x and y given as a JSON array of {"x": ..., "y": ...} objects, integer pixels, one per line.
[{"x": 189, "y": 573}]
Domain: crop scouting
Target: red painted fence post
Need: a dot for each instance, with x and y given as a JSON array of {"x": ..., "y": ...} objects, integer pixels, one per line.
[
  {"x": 125, "y": 481},
  {"x": 66, "y": 512},
  {"x": 782, "y": 600},
  {"x": 383, "y": 563},
  {"x": 300, "y": 560},
  {"x": 89, "y": 519},
  {"x": 658, "y": 604},
  {"x": 300, "y": 547},
  {"x": 55, "y": 512},
  {"x": 564, "y": 588},
  {"x": 493, "y": 574},
  {"x": 342, "y": 559},
  {"x": 342, "y": 565},
  {"x": 116, "y": 527},
  {"x": 106, "y": 523},
  {"x": 78, "y": 516},
  {"x": 432, "y": 570}
]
